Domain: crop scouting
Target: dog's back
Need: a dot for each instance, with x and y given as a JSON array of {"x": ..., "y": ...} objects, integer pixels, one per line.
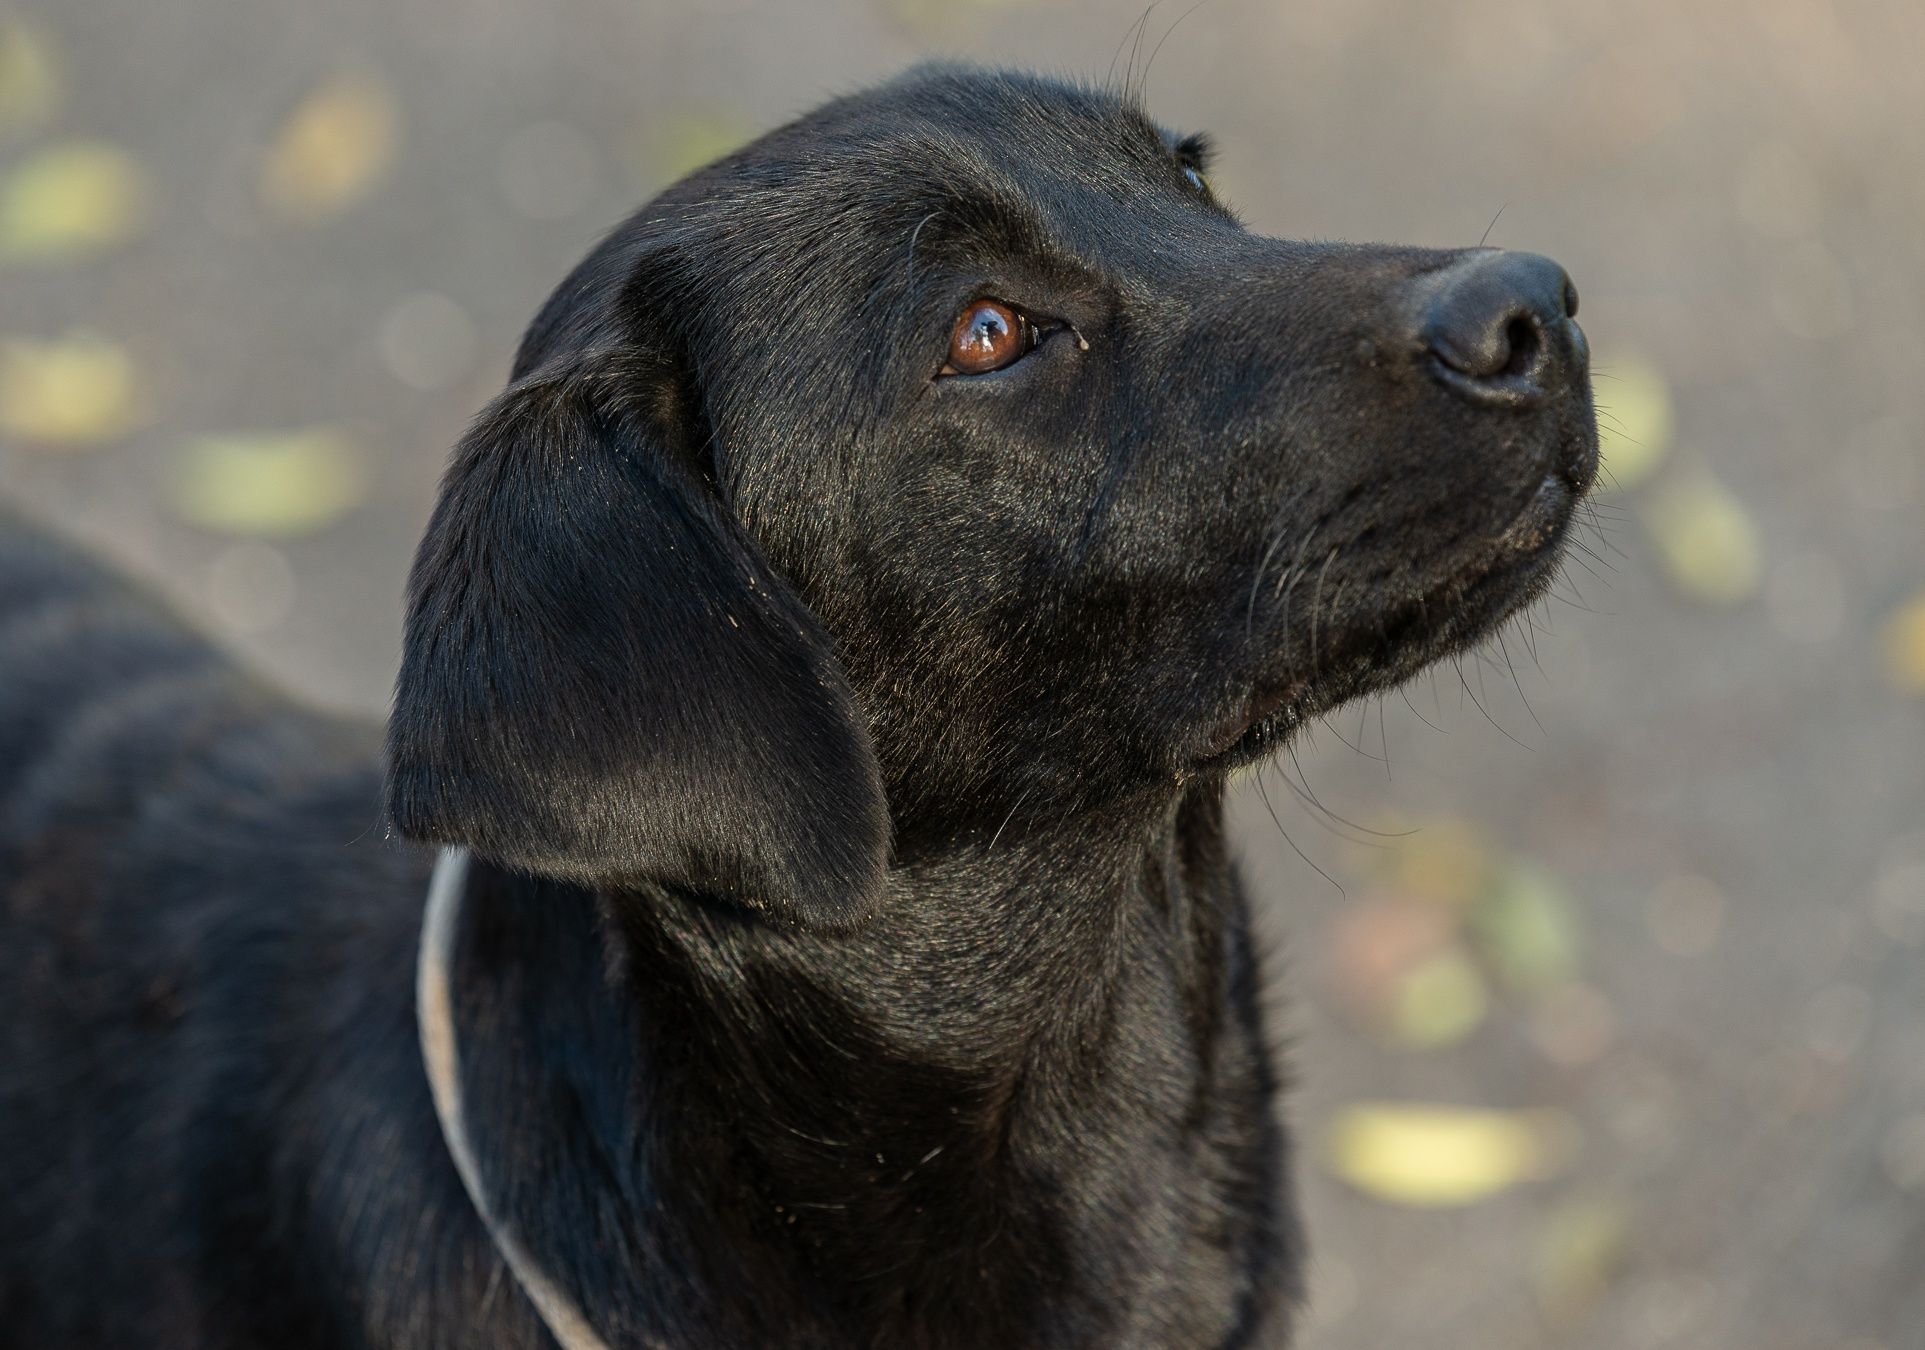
[{"x": 162, "y": 925}]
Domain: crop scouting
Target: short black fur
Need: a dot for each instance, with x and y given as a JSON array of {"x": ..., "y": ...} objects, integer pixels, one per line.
[{"x": 853, "y": 955}]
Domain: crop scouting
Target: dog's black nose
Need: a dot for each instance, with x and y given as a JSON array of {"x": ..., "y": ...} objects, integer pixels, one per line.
[{"x": 1497, "y": 324}]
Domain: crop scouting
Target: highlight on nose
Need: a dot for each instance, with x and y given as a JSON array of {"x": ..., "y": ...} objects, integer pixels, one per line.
[{"x": 1497, "y": 323}]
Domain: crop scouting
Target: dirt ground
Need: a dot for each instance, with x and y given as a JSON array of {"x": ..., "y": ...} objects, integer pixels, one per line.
[{"x": 1666, "y": 891}]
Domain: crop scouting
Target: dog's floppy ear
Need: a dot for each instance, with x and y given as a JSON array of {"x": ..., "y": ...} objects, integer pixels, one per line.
[{"x": 601, "y": 679}]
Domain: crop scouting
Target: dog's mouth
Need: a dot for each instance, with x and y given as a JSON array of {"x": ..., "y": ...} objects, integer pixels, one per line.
[{"x": 1509, "y": 572}]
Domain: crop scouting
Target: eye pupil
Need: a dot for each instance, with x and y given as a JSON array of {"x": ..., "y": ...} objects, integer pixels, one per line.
[{"x": 989, "y": 336}]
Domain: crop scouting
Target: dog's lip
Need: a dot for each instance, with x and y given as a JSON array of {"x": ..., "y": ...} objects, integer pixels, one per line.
[
  {"x": 1274, "y": 709},
  {"x": 1280, "y": 705},
  {"x": 1540, "y": 520}
]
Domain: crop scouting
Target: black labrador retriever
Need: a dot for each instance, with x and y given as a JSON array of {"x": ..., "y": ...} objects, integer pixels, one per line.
[{"x": 822, "y": 673}]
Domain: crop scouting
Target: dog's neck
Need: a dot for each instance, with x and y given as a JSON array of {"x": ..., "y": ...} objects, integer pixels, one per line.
[
  {"x": 998, "y": 1070},
  {"x": 974, "y": 943}
]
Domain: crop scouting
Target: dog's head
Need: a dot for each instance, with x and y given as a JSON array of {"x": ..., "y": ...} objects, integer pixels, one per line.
[{"x": 950, "y": 459}]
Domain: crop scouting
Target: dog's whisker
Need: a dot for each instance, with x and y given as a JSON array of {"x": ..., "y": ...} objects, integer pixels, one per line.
[
  {"x": 1404, "y": 694},
  {"x": 1316, "y": 613},
  {"x": 1340, "y": 825},
  {"x": 1263, "y": 794},
  {"x": 1484, "y": 238},
  {"x": 1578, "y": 544},
  {"x": 1383, "y": 737},
  {"x": 1598, "y": 576},
  {"x": 1256, "y": 579},
  {"x": 1131, "y": 80},
  {"x": 1478, "y": 703},
  {"x": 1178, "y": 23},
  {"x": 1132, "y": 34},
  {"x": 1527, "y": 633},
  {"x": 1353, "y": 746},
  {"x": 1511, "y": 667}
]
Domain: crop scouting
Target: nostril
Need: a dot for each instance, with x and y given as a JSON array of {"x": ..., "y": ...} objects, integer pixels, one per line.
[
  {"x": 1493, "y": 325},
  {"x": 1521, "y": 335},
  {"x": 1498, "y": 348}
]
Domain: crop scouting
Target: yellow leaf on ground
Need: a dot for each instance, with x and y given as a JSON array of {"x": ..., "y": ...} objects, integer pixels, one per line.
[
  {"x": 271, "y": 483},
  {"x": 1905, "y": 647},
  {"x": 69, "y": 394},
  {"x": 1374, "y": 945},
  {"x": 1635, "y": 421},
  {"x": 1437, "y": 1156},
  {"x": 70, "y": 200},
  {"x": 29, "y": 77},
  {"x": 332, "y": 150},
  {"x": 1526, "y": 927},
  {"x": 1580, "y": 1250},
  {"x": 1438, "y": 1003},
  {"x": 1706, "y": 539}
]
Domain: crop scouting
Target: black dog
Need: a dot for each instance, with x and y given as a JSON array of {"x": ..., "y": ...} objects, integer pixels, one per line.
[{"x": 824, "y": 666}]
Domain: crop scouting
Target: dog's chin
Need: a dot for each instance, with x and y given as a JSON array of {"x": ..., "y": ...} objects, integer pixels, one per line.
[{"x": 1495, "y": 582}]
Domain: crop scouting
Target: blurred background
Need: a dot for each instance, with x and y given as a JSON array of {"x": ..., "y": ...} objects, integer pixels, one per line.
[{"x": 1603, "y": 957}]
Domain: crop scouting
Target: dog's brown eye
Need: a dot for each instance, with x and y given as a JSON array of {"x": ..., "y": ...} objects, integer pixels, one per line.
[{"x": 988, "y": 336}]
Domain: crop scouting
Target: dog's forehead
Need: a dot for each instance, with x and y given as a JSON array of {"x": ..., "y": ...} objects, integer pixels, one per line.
[
  {"x": 962, "y": 131},
  {"x": 1006, "y": 113},
  {"x": 1015, "y": 161}
]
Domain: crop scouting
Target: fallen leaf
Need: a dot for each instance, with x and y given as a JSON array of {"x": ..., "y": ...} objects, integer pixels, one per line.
[
  {"x": 70, "y": 200},
  {"x": 1525, "y": 926},
  {"x": 29, "y": 77},
  {"x": 270, "y": 483},
  {"x": 1706, "y": 540},
  {"x": 1635, "y": 420},
  {"x": 1905, "y": 647},
  {"x": 1580, "y": 1250},
  {"x": 72, "y": 393},
  {"x": 332, "y": 150},
  {"x": 1430, "y": 1156},
  {"x": 1375, "y": 943},
  {"x": 1438, "y": 1003}
]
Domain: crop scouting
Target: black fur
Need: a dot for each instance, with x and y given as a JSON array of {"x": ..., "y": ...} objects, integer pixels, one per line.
[
  {"x": 854, "y": 957},
  {"x": 598, "y": 661}
]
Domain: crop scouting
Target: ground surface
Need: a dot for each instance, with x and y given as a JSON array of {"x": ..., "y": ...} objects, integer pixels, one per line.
[{"x": 1675, "y": 908}]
